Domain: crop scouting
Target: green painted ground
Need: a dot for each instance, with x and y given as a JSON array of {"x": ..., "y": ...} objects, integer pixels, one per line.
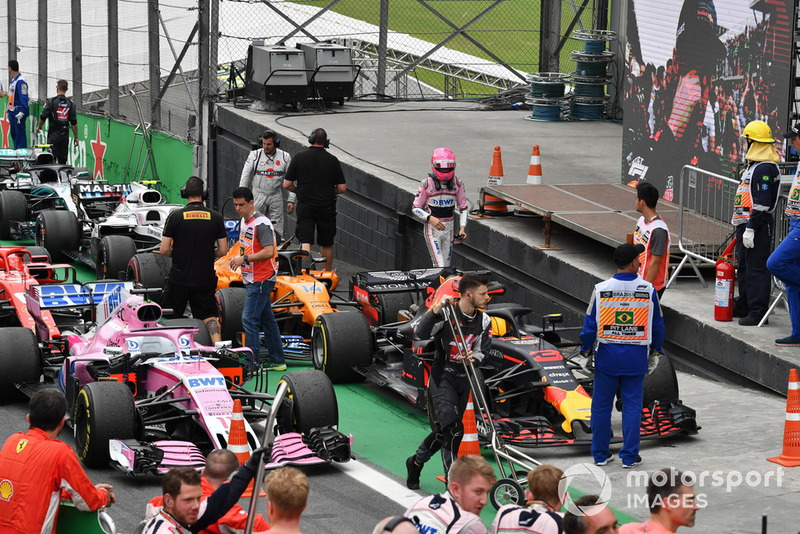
[{"x": 386, "y": 430}]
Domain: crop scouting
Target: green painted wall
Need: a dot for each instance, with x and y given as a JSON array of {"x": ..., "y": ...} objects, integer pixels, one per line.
[{"x": 104, "y": 146}]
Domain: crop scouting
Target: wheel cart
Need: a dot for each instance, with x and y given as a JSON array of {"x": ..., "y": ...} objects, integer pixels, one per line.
[{"x": 513, "y": 464}]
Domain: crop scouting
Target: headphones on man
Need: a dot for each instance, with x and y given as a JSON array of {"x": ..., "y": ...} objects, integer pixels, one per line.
[
  {"x": 312, "y": 139},
  {"x": 275, "y": 138},
  {"x": 185, "y": 192}
]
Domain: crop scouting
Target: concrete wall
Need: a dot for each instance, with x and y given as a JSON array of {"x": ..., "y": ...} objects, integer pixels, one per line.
[{"x": 377, "y": 232}]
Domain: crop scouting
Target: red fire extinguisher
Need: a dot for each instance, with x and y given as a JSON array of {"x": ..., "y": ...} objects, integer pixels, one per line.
[{"x": 723, "y": 287}]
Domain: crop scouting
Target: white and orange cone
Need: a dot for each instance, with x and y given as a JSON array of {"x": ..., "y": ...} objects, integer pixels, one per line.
[
  {"x": 469, "y": 443},
  {"x": 237, "y": 442},
  {"x": 790, "y": 456},
  {"x": 535, "y": 168},
  {"x": 494, "y": 205}
]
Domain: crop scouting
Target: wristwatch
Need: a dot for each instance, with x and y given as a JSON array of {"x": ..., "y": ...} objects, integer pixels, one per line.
[{"x": 245, "y": 258}]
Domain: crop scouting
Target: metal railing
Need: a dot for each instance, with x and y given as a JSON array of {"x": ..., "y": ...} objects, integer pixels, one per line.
[
  {"x": 706, "y": 204},
  {"x": 705, "y": 200}
]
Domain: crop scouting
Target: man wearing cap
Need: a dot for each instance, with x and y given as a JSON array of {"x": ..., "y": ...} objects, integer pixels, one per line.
[
  {"x": 624, "y": 318},
  {"x": 784, "y": 262}
]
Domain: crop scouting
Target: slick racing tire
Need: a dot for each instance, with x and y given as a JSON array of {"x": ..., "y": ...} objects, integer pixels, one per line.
[
  {"x": 19, "y": 360},
  {"x": 202, "y": 337},
  {"x": 58, "y": 230},
  {"x": 13, "y": 207},
  {"x": 103, "y": 411},
  {"x": 150, "y": 270},
  {"x": 506, "y": 491},
  {"x": 230, "y": 303},
  {"x": 339, "y": 342},
  {"x": 312, "y": 402},
  {"x": 39, "y": 251},
  {"x": 660, "y": 382},
  {"x": 113, "y": 255},
  {"x": 393, "y": 303}
]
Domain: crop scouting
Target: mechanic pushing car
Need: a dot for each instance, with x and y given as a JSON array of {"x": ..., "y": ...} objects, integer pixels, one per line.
[
  {"x": 449, "y": 388},
  {"x": 35, "y": 467},
  {"x": 624, "y": 317},
  {"x": 439, "y": 194}
]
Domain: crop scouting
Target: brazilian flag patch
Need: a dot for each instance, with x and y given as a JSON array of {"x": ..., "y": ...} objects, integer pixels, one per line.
[
  {"x": 623, "y": 317},
  {"x": 795, "y": 194}
]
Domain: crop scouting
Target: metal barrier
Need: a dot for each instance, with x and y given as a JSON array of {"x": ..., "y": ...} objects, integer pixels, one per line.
[{"x": 705, "y": 200}]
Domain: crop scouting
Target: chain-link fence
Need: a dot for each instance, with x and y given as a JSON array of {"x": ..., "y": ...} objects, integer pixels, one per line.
[
  {"x": 444, "y": 48},
  {"x": 110, "y": 50}
]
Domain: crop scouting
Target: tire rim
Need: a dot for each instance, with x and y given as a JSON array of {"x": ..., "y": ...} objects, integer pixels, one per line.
[
  {"x": 80, "y": 427},
  {"x": 317, "y": 348}
]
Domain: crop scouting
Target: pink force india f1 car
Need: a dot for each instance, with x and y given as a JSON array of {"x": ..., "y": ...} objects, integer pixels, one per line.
[
  {"x": 537, "y": 388},
  {"x": 146, "y": 395}
]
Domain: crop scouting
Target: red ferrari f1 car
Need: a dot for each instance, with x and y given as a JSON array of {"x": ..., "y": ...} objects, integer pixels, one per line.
[{"x": 538, "y": 391}]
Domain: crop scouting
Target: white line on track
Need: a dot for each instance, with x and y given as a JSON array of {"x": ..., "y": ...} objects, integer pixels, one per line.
[{"x": 380, "y": 483}]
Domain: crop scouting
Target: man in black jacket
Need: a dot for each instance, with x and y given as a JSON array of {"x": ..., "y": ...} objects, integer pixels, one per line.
[
  {"x": 60, "y": 111},
  {"x": 448, "y": 388}
]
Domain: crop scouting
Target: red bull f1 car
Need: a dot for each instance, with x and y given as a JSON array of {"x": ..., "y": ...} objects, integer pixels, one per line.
[{"x": 538, "y": 386}]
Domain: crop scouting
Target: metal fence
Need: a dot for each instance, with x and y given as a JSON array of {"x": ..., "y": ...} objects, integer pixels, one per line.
[
  {"x": 175, "y": 53},
  {"x": 705, "y": 200}
]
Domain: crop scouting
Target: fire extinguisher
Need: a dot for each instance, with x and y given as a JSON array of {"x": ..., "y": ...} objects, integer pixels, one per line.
[{"x": 723, "y": 288}]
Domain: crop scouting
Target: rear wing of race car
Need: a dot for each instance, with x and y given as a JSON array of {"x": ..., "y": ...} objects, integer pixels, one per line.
[{"x": 73, "y": 296}]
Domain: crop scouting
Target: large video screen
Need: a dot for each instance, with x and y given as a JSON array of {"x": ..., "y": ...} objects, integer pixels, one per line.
[{"x": 696, "y": 72}]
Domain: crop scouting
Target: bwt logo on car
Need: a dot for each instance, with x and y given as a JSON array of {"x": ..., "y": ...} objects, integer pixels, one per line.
[{"x": 205, "y": 381}]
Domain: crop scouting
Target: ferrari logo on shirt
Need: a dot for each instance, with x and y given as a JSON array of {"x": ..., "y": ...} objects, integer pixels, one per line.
[
  {"x": 623, "y": 317},
  {"x": 21, "y": 445}
]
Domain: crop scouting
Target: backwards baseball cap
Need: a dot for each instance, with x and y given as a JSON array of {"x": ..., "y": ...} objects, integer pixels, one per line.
[
  {"x": 625, "y": 254},
  {"x": 793, "y": 132}
]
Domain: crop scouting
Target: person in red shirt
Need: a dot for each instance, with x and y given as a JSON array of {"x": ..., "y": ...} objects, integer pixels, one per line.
[{"x": 37, "y": 471}]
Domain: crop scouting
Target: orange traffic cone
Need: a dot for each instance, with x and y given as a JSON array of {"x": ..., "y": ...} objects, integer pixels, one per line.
[
  {"x": 492, "y": 204},
  {"x": 237, "y": 442},
  {"x": 469, "y": 443},
  {"x": 790, "y": 457},
  {"x": 535, "y": 168}
]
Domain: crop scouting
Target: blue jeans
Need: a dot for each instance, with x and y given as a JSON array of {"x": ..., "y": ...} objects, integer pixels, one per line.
[
  {"x": 784, "y": 263},
  {"x": 257, "y": 313},
  {"x": 631, "y": 390}
]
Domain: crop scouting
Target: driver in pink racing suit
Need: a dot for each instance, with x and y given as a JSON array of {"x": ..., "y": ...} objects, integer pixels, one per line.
[{"x": 439, "y": 195}]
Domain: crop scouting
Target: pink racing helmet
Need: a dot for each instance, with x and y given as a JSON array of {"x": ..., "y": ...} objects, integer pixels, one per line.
[{"x": 443, "y": 164}]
